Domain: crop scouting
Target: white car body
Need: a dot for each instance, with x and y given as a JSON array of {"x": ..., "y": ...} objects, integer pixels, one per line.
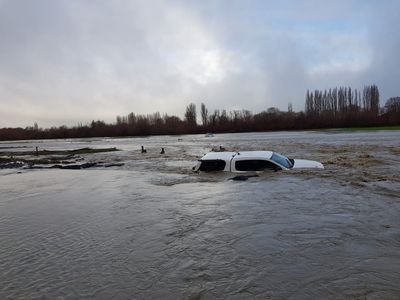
[{"x": 250, "y": 161}]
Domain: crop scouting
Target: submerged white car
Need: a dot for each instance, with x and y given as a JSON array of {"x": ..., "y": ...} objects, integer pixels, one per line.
[{"x": 248, "y": 161}]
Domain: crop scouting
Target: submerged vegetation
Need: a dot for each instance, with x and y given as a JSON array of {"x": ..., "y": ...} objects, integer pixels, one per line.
[
  {"x": 376, "y": 128},
  {"x": 58, "y": 152},
  {"x": 61, "y": 159},
  {"x": 333, "y": 108}
]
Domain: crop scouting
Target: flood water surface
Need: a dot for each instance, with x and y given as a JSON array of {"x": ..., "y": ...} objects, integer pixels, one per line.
[{"x": 149, "y": 228}]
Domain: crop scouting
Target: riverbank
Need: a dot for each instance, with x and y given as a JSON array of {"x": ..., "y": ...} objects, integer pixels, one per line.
[{"x": 366, "y": 129}]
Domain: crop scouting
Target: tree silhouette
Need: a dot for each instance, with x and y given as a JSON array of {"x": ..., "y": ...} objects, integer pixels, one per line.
[
  {"x": 204, "y": 114},
  {"x": 191, "y": 117},
  {"x": 334, "y": 107}
]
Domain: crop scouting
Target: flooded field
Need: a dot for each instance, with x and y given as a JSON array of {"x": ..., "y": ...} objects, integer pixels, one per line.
[{"x": 138, "y": 225}]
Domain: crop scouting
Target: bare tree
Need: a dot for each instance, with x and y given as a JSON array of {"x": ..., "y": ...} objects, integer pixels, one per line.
[
  {"x": 204, "y": 114},
  {"x": 290, "y": 107},
  {"x": 392, "y": 105},
  {"x": 191, "y": 116},
  {"x": 371, "y": 99}
]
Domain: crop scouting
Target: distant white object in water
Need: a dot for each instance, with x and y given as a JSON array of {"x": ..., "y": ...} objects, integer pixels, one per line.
[
  {"x": 250, "y": 161},
  {"x": 209, "y": 134}
]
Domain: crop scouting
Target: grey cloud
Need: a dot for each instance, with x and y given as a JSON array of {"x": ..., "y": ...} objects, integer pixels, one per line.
[{"x": 73, "y": 61}]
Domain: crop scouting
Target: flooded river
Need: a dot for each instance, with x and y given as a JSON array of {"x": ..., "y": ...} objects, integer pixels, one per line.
[{"x": 146, "y": 227}]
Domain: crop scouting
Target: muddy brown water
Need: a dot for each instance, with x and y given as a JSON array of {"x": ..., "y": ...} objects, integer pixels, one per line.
[{"x": 151, "y": 229}]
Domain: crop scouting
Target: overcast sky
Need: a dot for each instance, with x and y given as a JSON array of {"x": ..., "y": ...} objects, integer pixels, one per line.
[{"x": 70, "y": 61}]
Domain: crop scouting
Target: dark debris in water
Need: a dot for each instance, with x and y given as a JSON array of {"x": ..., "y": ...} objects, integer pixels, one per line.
[
  {"x": 62, "y": 159},
  {"x": 58, "y": 152},
  {"x": 59, "y": 159},
  {"x": 242, "y": 177},
  {"x": 77, "y": 166},
  {"x": 11, "y": 165}
]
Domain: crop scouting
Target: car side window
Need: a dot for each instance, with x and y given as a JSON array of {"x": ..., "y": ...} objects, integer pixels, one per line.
[
  {"x": 212, "y": 165},
  {"x": 254, "y": 165}
]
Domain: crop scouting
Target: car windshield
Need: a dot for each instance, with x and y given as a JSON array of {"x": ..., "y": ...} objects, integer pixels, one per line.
[{"x": 282, "y": 160}]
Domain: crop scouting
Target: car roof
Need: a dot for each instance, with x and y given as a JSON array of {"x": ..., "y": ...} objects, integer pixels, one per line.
[
  {"x": 218, "y": 155},
  {"x": 241, "y": 154},
  {"x": 255, "y": 154}
]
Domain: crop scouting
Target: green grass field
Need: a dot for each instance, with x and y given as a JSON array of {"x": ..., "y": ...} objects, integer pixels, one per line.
[{"x": 351, "y": 129}]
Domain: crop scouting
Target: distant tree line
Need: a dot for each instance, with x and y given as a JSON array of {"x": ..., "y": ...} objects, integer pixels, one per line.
[
  {"x": 343, "y": 107},
  {"x": 337, "y": 107}
]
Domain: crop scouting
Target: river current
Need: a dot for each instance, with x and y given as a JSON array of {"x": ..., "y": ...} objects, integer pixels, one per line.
[{"x": 150, "y": 228}]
